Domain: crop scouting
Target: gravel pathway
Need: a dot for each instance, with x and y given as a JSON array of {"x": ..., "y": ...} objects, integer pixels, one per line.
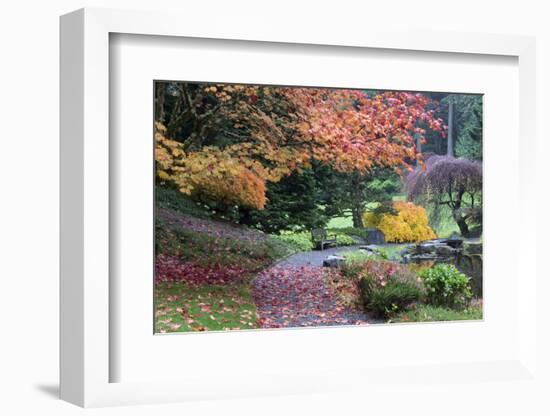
[
  {"x": 297, "y": 296},
  {"x": 314, "y": 258}
]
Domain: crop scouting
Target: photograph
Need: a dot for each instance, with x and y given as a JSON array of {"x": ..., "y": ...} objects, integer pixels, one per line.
[{"x": 298, "y": 206}]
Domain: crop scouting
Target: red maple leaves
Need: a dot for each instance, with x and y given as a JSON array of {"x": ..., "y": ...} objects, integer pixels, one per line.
[
  {"x": 297, "y": 297},
  {"x": 172, "y": 269},
  {"x": 354, "y": 130}
]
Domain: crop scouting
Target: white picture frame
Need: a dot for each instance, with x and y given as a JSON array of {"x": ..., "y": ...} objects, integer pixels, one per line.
[{"x": 86, "y": 356}]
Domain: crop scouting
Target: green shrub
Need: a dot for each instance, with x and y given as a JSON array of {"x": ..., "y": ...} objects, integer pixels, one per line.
[
  {"x": 298, "y": 241},
  {"x": 358, "y": 256},
  {"x": 392, "y": 298},
  {"x": 350, "y": 231},
  {"x": 386, "y": 287},
  {"x": 446, "y": 286},
  {"x": 343, "y": 239},
  {"x": 429, "y": 313},
  {"x": 301, "y": 241},
  {"x": 176, "y": 201}
]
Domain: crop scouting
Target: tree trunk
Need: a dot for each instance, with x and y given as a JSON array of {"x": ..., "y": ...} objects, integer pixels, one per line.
[
  {"x": 357, "y": 215},
  {"x": 418, "y": 147},
  {"x": 457, "y": 214},
  {"x": 159, "y": 107},
  {"x": 175, "y": 118},
  {"x": 450, "y": 151},
  {"x": 464, "y": 230},
  {"x": 356, "y": 200}
]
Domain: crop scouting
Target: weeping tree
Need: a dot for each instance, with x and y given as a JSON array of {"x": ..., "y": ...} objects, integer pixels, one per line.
[{"x": 452, "y": 182}]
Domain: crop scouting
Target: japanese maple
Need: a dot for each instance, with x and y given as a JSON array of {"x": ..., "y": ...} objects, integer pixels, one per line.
[{"x": 226, "y": 141}]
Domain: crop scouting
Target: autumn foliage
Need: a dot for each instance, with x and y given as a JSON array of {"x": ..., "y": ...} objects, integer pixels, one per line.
[
  {"x": 173, "y": 269},
  {"x": 224, "y": 142},
  {"x": 211, "y": 173},
  {"x": 409, "y": 224},
  {"x": 355, "y": 131}
]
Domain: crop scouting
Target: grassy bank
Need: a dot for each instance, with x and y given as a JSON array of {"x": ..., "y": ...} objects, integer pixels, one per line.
[{"x": 204, "y": 268}]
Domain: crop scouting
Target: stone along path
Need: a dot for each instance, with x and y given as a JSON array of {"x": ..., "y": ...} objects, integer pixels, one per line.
[{"x": 293, "y": 293}]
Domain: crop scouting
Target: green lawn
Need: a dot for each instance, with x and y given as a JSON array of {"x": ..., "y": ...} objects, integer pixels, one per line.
[
  {"x": 392, "y": 251},
  {"x": 340, "y": 222},
  {"x": 194, "y": 303},
  {"x": 427, "y": 313},
  {"x": 445, "y": 226},
  {"x": 183, "y": 308},
  {"x": 207, "y": 250}
]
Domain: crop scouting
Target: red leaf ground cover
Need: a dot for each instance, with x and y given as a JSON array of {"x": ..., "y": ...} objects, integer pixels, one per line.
[
  {"x": 172, "y": 269},
  {"x": 288, "y": 296}
]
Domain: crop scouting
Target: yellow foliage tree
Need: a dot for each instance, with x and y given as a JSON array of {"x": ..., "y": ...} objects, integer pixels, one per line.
[
  {"x": 213, "y": 173},
  {"x": 410, "y": 224},
  {"x": 228, "y": 183}
]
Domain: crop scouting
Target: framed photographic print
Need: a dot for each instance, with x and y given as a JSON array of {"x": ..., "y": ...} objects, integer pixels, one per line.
[{"x": 285, "y": 213}]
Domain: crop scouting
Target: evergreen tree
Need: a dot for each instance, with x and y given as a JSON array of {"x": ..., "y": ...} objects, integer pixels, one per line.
[
  {"x": 469, "y": 143},
  {"x": 352, "y": 193},
  {"x": 293, "y": 204},
  {"x": 467, "y": 124}
]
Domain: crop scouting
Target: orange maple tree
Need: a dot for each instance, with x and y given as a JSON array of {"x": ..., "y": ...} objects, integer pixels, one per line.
[
  {"x": 355, "y": 131},
  {"x": 238, "y": 137}
]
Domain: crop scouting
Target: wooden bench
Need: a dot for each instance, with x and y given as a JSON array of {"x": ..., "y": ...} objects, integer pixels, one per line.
[{"x": 320, "y": 238}]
